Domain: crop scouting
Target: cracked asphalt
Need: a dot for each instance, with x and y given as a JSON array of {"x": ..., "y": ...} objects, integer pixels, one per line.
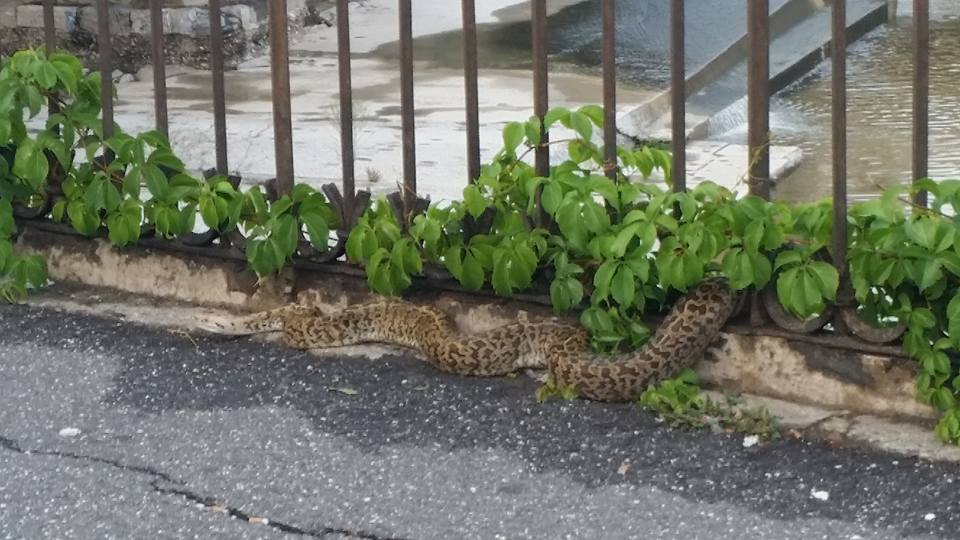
[{"x": 206, "y": 437}]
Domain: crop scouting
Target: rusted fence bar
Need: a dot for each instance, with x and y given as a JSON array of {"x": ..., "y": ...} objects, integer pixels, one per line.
[
  {"x": 678, "y": 95},
  {"x": 219, "y": 97},
  {"x": 839, "y": 114},
  {"x": 106, "y": 67},
  {"x": 406, "y": 104},
  {"x": 609, "y": 88},
  {"x": 49, "y": 43},
  {"x": 758, "y": 96},
  {"x": 921, "y": 93},
  {"x": 280, "y": 87},
  {"x": 470, "y": 75},
  {"x": 538, "y": 12},
  {"x": 346, "y": 104},
  {"x": 49, "y": 27},
  {"x": 158, "y": 58}
]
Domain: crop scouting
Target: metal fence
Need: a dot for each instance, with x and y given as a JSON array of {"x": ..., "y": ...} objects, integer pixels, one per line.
[{"x": 758, "y": 39}]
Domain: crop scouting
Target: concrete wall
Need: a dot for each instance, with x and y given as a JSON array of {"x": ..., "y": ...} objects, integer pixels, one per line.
[{"x": 758, "y": 364}]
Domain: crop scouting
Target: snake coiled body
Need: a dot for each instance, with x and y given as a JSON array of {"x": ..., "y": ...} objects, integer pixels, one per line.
[{"x": 561, "y": 347}]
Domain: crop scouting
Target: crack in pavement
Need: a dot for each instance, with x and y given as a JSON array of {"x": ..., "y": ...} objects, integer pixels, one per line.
[{"x": 207, "y": 502}]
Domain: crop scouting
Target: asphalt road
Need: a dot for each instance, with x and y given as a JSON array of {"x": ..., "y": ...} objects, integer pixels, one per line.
[{"x": 191, "y": 438}]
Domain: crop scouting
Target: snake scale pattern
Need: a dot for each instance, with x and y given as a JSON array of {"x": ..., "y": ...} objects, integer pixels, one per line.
[{"x": 561, "y": 347}]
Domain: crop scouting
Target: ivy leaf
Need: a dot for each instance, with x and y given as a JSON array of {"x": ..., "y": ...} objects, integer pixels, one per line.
[
  {"x": 317, "y": 229},
  {"x": 30, "y": 164},
  {"x": 472, "y": 276},
  {"x": 475, "y": 202},
  {"x": 603, "y": 279},
  {"x": 623, "y": 286},
  {"x": 828, "y": 279},
  {"x": 594, "y": 113},
  {"x": 554, "y": 114},
  {"x": 513, "y": 135},
  {"x": 581, "y": 123}
]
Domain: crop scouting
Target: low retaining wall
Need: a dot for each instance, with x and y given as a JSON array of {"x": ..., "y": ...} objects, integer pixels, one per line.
[
  {"x": 766, "y": 362},
  {"x": 186, "y": 30}
]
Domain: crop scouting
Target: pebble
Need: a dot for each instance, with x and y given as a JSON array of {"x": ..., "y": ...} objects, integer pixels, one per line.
[
  {"x": 750, "y": 440},
  {"x": 69, "y": 432},
  {"x": 930, "y": 517},
  {"x": 819, "y": 495}
]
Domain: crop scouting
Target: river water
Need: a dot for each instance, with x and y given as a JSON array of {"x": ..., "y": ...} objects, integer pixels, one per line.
[
  {"x": 879, "y": 86},
  {"x": 879, "y": 111}
]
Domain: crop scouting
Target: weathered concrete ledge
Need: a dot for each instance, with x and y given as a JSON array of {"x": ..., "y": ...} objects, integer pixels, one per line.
[
  {"x": 784, "y": 367},
  {"x": 186, "y": 30}
]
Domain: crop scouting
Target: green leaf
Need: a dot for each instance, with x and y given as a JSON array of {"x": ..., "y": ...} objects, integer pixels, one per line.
[
  {"x": 475, "y": 202},
  {"x": 317, "y": 229},
  {"x": 551, "y": 197},
  {"x": 603, "y": 279},
  {"x": 513, "y": 135},
  {"x": 208, "y": 212},
  {"x": 787, "y": 259},
  {"x": 581, "y": 123},
  {"x": 472, "y": 275},
  {"x": 30, "y": 164},
  {"x": 828, "y": 279},
  {"x": 594, "y": 112},
  {"x": 554, "y": 114},
  {"x": 623, "y": 286}
]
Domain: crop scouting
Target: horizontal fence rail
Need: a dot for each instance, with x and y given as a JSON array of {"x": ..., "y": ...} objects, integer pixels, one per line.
[{"x": 351, "y": 202}]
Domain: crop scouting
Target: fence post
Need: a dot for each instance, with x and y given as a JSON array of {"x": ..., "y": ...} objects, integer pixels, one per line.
[
  {"x": 538, "y": 12},
  {"x": 471, "y": 92},
  {"x": 609, "y": 89},
  {"x": 159, "y": 60},
  {"x": 346, "y": 107},
  {"x": 678, "y": 95},
  {"x": 280, "y": 86},
  {"x": 219, "y": 92},
  {"x": 758, "y": 98},
  {"x": 758, "y": 83},
  {"x": 921, "y": 94},
  {"x": 106, "y": 70},
  {"x": 839, "y": 114}
]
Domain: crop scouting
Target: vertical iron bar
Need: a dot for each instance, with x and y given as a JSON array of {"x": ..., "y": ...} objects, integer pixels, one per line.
[
  {"x": 280, "y": 87},
  {"x": 758, "y": 115},
  {"x": 49, "y": 27},
  {"x": 406, "y": 105},
  {"x": 839, "y": 114},
  {"x": 609, "y": 89},
  {"x": 219, "y": 97},
  {"x": 538, "y": 32},
  {"x": 159, "y": 60},
  {"x": 50, "y": 44},
  {"x": 678, "y": 95},
  {"x": 106, "y": 69},
  {"x": 921, "y": 93},
  {"x": 758, "y": 83},
  {"x": 470, "y": 75},
  {"x": 346, "y": 106}
]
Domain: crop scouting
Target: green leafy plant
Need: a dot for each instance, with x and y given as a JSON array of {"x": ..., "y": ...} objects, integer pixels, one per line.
[
  {"x": 18, "y": 273},
  {"x": 680, "y": 402},
  {"x": 606, "y": 239}
]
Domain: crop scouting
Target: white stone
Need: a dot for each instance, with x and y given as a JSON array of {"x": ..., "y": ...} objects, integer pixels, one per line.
[
  {"x": 750, "y": 440},
  {"x": 819, "y": 495},
  {"x": 930, "y": 517},
  {"x": 245, "y": 18},
  {"x": 69, "y": 432}
]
